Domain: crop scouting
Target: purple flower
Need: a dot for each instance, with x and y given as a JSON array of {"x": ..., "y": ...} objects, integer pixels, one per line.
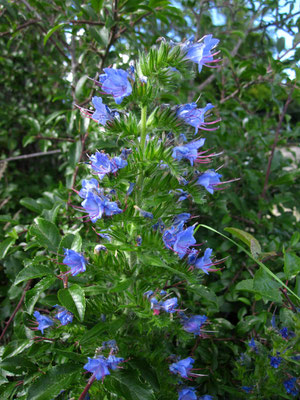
[
  {"x": 289, "y": 385},
  {"x": 182, "y": 367},
  {"x": 111, "y": 208},
  {"x": 200, "y": 53},
  {"x": 43, "y": 320},
  {"x": 195, "y": 116},
  {"x": 98, "y": 366},
  {"x": 75, "y": 261},
  {"x": 170, "y": 305},
  {"x": 102, "y": 113},
  {"x": 187, "y": 394},
  {"x": 188, "y": 151},
  {"x": 275, "y": 361},
  {"x": 209, "y": 180},
  {"x": 205, "y": 262},
  {"x": 100, "y": 164},
  {"x": 89, "y": 185},
  {"x": 183, "y": 241},
  {"x": 116, "y": 83},
  {"x": 64, "y": 316},
  {"x": 194, "y": 323}
]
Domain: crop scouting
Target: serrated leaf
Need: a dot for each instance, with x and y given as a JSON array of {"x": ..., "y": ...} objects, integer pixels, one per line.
[
  {"x": 46, "y": 233},
  {"x": 31, "y": 272},
  {"x": 267, "y": 287},
  {"x": 50, "y": 33},
  {"x": 5, "y": 246},
  {"x": 73, "y": 299},
  {"x": 291, "y": 265},
  {"x": 56, "y": 379}
]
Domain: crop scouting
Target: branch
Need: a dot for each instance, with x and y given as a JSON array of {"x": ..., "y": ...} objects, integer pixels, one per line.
[
  {"x": 55, "y": 139},
  {"x": 277, "y": 132},
  {"x": 23, "y": 26},
  {"x": 25, "y": 156},
  {"x": 16, "y": 309}
]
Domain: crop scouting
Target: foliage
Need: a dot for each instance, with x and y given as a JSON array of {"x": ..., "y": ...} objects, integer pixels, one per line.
[{"x": 50, "y": 49}]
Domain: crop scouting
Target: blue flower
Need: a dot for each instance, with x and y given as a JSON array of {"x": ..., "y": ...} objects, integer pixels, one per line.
[
  {"x": 187, "y": 394},
  {"x": 192, "y": 256},
  {"x": 170, "y": 305},
  {"x": 200, "y": 53},
  {"x": 275, "y": 361},
  {"x": 94, "y": 206},
  {"x": 114, "y": 361},
  {"x": 247, "y": 389},
  {"x": 100, "y": 163},
  {"x": 188, "y": 151},
  {"x": 183, "y": 217},
  {"x": 143, "y": 213},
  {"x": 116, "y": 83},
  {"x": 75, "y": 261},
  {"x": 43, "y": 320},
  {"x": 289, "y": 385},
  {"x": 64, "y": 316},
  {"x": 98, "y": 366},
  {"x": 194, "y": 323},
  {"x": 194, "y": 116},
  {"x": 183, "y": 241},
  {"x": 252, "y": 344},
  {"x": 209, "y": 180},
  {"x": 162, "y": 292},
  {"x": 102, "y": 113},
  {"x": 117, "y": 163},
  {"x": 130, "y": 189},
  {"x": 148, "y": 294},
  {"x": 98, "y": 248},
  {"x": 205, "y": 262},
  {"x": 111, "y": 208},
  {"x": 182, "y": 367},
  {"x": 89, "y": 185},
  {"x": 182, "y": 138},
  {"x": 285, "y": 333},
  {"x": 110, "y": 344}
]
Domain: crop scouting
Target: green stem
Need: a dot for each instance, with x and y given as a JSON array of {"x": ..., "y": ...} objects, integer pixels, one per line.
[{"x": 143, "y": 126}]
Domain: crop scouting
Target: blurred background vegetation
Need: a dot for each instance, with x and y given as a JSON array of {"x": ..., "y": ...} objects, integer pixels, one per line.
[{"x": 48, "y": 51}]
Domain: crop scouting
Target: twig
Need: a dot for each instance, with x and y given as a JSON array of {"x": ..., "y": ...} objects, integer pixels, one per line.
[
  {"x": 16, "y": 309},
  {"x": 288, "y": 299},
  {"x": 277, "y": 132},
  {"x": 23, "y": 26},
  {"x": 86, "y": 389},
  {"x": 25, "y": 156}
]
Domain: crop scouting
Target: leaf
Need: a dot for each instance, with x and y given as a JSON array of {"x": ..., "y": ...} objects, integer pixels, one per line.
[
  {"x": 291, "y": 265},
  {"x": 73, "y": 299},
  {"x": 280, "y": 45},
  {"x": 5, "y": 246},
  {"x": 80, "y": 86},
  {"x": 267, "y": 287},
  {"x": 93, "y": 333},
  {"x": 245, "y": 285},
  {"x": 263, "y": 266},
  {"x": 46, "y": 234},
  {"x": 71, "y": 241},
  {"x": 75, "y": 153},
  {"x": 50, "y": 33},
  {"x": 31, "y": 204},
  {"x": 247, "y": 238},
  {"x": 56, "y": 379},
  {"x": 33, "y": 295},
  {"x": 31, "y": 272}
]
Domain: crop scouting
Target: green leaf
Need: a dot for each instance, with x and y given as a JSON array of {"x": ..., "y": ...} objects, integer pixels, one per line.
[
  {"x": 75, "y": 153},
  {"x": 267, "y": 287},
  {"x": 80, "y": 86},
  {"x": 5, "y": 245},
  {"x": 56, "y": 379},
  {"x": 31, "y": 204},
  {"x": 50, "y": 33},
  {"x": 247, "y": 238},
  {"x": 245, "y": 285},
  {"x": 33, "y": 295},
  {"x": 31, "y": 272},
  {"x": 291, "y": 265},
  {"x": 73, "y": 299},
  {"x": 46, "y": 234},
  {"x": 263, "y": 266}
]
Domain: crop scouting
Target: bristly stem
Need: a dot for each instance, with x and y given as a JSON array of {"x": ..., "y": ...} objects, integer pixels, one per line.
[
  {"x": 143, "y": 126},
  {"x": 86, "y": 389}
]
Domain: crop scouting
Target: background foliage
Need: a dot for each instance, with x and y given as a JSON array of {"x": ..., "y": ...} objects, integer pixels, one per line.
[{"x": 48, "y": 51}]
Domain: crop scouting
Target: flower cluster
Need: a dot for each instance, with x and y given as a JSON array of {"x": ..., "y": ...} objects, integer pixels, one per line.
[
  {"x": 64, "y": 316},
  {"x": 101, "y": 365}
]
